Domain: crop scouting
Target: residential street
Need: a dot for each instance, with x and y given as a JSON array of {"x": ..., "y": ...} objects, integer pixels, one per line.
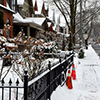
[
  {"x": 87, "y": 84},
  {"x": 49, "y": 50}
]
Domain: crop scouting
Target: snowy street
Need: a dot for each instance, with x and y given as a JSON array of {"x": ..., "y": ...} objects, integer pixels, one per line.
[{"x": 87, "y": 83}]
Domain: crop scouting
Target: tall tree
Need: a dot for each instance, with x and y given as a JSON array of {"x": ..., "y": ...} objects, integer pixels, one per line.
[{"x": 70, "y": 9}]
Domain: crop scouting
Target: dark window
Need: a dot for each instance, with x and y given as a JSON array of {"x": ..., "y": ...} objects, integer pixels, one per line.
[
  {"x": 9, "y": 3},
  {"x": 2, "y": 2}
]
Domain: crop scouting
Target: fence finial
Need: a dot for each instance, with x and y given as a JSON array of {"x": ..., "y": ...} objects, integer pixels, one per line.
[
  {"x": 10, "y": 81},
  {"x": 2, "y": 82},
  {"x": 17, "y": 82},
  {"x": 25, "y": 71}
]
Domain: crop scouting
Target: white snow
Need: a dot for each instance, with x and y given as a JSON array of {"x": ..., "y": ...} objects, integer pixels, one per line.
[
  {"x": 3, "y": 39},
  {"x": 9, "y": 44},
  {"x": 20, "y": 2},
  {"x": 19, "y": 18},
  {"x": 87, "y": 83},
  {"x": 37, "y": 20}
]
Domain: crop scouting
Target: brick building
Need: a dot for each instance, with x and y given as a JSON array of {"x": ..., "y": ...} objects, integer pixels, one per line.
[{"x": 7, "y": 14}]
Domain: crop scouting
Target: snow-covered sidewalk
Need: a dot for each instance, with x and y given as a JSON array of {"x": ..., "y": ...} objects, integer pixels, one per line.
[{"x": 87, "y": 83}]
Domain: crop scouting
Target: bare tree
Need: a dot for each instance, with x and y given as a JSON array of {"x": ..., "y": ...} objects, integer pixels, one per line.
[{"x": 70, "y": 9}]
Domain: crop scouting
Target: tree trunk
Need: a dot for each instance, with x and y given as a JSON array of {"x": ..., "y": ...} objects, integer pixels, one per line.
[{"x": 72, "y": 22}]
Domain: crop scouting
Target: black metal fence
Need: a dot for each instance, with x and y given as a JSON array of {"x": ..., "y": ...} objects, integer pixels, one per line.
[{"x": 41, "y": 87}]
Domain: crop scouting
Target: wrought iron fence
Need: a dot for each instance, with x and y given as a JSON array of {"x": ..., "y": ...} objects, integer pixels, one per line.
[{"x": 41, "y": 87}]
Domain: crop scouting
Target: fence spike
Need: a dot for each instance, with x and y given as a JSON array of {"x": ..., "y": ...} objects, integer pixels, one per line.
[
  {"x": 49, "y": 65},
  {"x": 2, "y": 82},
  {"x": 17, "y": 82},
  {"x": 60, "y": 59},
  {"x": 10, "y": 81}
]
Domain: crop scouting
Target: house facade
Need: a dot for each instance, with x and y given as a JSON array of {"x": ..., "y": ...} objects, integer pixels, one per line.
[
  {"x": 24, "y": 9},
  {"x": 8, "y": 19}
]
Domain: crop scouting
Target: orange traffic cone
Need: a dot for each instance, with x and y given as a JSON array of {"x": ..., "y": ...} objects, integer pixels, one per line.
[
  {"x": 69, "y": 81},
  {"x": 73, "y": 74}
]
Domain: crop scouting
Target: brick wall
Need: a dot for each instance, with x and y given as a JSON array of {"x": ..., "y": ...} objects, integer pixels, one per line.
[{"x": 9, "y": 16}]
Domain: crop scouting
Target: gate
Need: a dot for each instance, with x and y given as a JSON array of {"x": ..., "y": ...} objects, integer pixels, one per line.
[{"x": 17, "y": 87}]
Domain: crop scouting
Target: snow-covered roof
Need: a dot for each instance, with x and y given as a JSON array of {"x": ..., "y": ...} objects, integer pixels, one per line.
[
  {"x": 6, "y": 8},
  {"x": 38, "y": 13},
  {"x": 19, "y": 18},
  {"x": 20, "y": 2},
  {"x": 38, "y": 21}
]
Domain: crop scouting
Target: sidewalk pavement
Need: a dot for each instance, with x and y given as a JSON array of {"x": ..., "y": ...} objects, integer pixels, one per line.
[{"x": 87, "y": 83}]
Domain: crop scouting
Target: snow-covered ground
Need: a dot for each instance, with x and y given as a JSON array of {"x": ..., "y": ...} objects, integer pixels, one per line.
[{"x": 87, "y": 83}]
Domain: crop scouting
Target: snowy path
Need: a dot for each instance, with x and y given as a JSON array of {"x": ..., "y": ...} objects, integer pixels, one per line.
[{"x": 87, "y": 85}]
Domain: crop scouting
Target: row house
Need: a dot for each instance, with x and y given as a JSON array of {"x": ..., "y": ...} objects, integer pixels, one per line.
[
  {"x": 7, "y": 15},
  {"x": 25, "y": 18},
  {"x": 22, "y": 14}
]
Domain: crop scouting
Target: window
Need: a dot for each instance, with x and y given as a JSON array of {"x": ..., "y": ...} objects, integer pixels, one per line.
[
  {"x": 9, "y": 3},
  {"x": 8, "y": 29},
  {"x": 2, "y": 2},
  {"x": 8, "y": 22},
  {"x": 13, "y": 4}
]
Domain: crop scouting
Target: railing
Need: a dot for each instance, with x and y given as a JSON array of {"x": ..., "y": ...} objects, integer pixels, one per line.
[{"x": 41, "y": 87}]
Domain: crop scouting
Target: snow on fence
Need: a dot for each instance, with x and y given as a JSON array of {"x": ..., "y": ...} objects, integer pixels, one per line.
[{"x": 41, "y": 87}]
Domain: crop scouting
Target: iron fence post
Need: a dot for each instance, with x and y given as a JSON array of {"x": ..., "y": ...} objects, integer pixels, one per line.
[
  {"x": 49, "y": 65},
  {"x": 25, "y": 86},
  {"x": 60, "y": 71}
]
